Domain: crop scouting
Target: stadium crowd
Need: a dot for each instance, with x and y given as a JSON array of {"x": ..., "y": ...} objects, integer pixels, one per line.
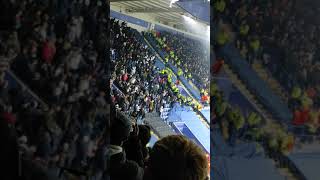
[
  {"x": 277, "y": 35},
  {"x": 190, "y": 56},
  {"x": 139, "y": 87},
  {"x": 58, "y": 51},
  {"x": 57, "y": 48}
]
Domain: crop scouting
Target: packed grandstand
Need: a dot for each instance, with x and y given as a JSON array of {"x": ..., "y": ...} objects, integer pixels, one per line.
[
  {"x": 148, "y": 109},
  {"x": 140, "y": 87},
  {"x": 55, "y": 107},
  {"x": 53, "y": 98},
  {"x": 160, "y": 83},
  {"x": 270, "y": 48}
]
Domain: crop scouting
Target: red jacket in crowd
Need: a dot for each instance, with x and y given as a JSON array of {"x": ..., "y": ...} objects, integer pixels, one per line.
[
  {"x": 177, "y": 82},
  {"x": 113, "y": 99},
  {"x": 301, "y": 117},
  {"x": 125, "y": 77},
  {"x": 48, "y": 51},
  {"x": 204, "y": 98},
  {"x": 217, "y": 66}
]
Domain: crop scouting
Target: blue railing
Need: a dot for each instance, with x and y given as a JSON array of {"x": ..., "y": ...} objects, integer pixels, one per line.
[
  {"x": 15, "y": 83},
  {"x": 117, "y": 89}
]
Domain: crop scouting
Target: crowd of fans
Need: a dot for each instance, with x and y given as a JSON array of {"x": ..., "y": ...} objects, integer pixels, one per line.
[
  {"x": 58, "y": 51},
  {"x": 57, "y": 48},
  {"x": 190, "y": 56},
  {"x": 139, "y": 87},
  {"x": 277, "y": 35}
]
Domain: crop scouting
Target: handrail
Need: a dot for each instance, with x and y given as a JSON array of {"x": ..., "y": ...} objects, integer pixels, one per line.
[
  {"x": 23, "y": 85},
  {"x": 286, "y": 161},
  {"x": 114, "y": 86}
]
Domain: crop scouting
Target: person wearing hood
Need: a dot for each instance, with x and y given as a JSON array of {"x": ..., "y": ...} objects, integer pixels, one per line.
[{"x": 120, "y": 167}]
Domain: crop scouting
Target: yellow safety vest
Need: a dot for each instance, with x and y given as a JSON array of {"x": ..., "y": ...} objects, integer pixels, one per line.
[
  {"x": 255, "y": 45},
  {"x": 220, "y": 5},
  {"x": 222, "y": 38},
  {"x": 244, "y": 29},
  {"x": 189, "y": 75}
]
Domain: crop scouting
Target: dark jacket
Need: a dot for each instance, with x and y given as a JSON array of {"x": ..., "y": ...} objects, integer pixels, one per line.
[{"x": 122, "y": 169}]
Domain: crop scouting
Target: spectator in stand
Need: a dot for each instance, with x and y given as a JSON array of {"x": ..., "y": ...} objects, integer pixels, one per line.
[
  {"x": 120, "y": 166},
  {"x": 136, "y": 146}
]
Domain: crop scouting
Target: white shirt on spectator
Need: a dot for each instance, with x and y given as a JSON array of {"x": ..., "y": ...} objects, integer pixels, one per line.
[
  {"x": 74, "y": 61},
  {"x": 84, "y": 84}
]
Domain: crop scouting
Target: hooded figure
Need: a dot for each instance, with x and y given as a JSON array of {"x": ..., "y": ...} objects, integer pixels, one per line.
[{"x": 120, "y": 167}]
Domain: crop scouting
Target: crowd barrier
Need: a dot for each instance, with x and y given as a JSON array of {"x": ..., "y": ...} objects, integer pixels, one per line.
[{"x": 272, "y": 102}]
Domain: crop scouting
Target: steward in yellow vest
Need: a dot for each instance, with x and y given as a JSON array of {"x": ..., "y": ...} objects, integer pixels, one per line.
[
  {"x": 180, "y": 72},
  {"x": 220, "y": 5}
]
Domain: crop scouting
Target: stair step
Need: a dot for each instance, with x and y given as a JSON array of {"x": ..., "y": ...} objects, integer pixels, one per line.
[{"x": 273, "y": 83}]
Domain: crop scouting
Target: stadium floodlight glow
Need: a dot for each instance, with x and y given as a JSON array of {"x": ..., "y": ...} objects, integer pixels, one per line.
[
  {"x": 188, "y": 19},
  {"x": 172, "y": 2}
]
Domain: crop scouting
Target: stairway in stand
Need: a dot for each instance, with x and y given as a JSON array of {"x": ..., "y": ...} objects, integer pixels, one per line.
[
  {"x": 262, "y": 111},
  {"x": 272, "y": 82},
  {"x": 161, "y": 128},
  {"x": 244, "y": 90}
]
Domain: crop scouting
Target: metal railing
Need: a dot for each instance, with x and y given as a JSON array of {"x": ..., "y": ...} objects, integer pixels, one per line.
[{"x": 27, "y": 89}]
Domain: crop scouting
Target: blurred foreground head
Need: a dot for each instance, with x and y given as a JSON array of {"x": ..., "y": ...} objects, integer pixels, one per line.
[
  {"x": 120, "y": 127},
  {"x": 177, "y": 158}
]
